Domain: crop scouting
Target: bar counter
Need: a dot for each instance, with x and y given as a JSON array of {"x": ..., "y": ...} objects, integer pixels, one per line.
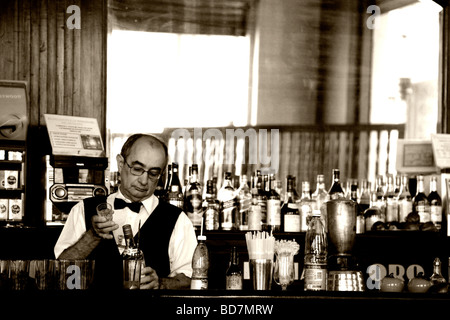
[{"x": 220, "y": 304}]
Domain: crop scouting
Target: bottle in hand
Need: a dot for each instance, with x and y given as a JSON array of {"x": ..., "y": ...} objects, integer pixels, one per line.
[
  {"x": 200, "y": 265},
  {"x": 133, "y": 260}
]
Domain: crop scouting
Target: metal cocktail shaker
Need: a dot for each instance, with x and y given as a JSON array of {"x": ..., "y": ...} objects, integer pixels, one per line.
[
  {"x": 342, "y": 274},
  {"x": 341, "y": 214}
]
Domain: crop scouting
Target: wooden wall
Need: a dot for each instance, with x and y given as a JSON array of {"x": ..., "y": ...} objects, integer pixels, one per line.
[{"x": 65, "y": 68}]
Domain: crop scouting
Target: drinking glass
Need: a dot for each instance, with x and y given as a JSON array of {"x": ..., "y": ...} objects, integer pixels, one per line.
[
  {"x": 105, "y": 210},
  {"x": 19, "y": 273},
  {"x": 4, "y": 275},
  {"x": 283, "y": 273}
]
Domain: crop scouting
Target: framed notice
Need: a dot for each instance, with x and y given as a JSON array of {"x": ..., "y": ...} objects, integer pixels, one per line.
[
  {"x": 441, "y": 149},
  {"x": 415, "y": 156},
  {"x": 74, "y": 136}
]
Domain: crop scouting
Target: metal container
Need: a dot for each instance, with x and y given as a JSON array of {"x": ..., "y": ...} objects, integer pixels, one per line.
[
  {"x": 261, "y": 273},
  {"x": 345, "y": 281},
  {"x": 341, "y": 214}
]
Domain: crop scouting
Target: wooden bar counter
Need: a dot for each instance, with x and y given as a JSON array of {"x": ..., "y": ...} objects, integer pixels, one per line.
[{"x": 220, "y": 304}]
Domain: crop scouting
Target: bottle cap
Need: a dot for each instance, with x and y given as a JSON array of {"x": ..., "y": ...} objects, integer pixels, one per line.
[
  {"x": 201, "y": 237},
  {"x": 127, "y": 232},
  {"x": 316, "y": 212}
]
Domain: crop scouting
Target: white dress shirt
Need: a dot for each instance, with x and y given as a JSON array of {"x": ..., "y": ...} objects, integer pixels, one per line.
[{"x": 181, "y": 245}]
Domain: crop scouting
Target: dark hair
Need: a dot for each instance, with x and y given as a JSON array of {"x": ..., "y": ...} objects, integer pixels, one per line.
[{"x": 133, "y": 138}]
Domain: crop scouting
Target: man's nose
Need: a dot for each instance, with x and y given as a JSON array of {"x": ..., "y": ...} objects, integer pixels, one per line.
[{"x": 143, "y": 179}]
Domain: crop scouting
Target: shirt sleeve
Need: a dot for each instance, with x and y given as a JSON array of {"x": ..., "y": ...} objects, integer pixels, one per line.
[
  {"x": 74, "y": 228},
  {"x": 181, "y": 246}
]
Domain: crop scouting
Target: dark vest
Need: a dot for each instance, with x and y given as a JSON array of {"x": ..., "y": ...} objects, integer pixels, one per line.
[{"x": 154, "y": 242}]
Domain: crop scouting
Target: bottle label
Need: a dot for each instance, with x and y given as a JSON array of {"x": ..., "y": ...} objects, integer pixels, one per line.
[
  {"x": 291, "y": 223},
  {"x": 211, "y": 218},
  {"x": 360, "y": 224},
  {"x": 424, "y": 213},
  {"x": 199, "y": 284},
  {"x": 227, "y": 214},
  {"x": 305, "y": 216},
  {"x": 404, "y": 208},
  {"x": 274, "y": 212},
  {"x": 436, "y": 216},
  {"x": 292, "y": 206},
  {"x": 234, "y": 282},
  {"x": 177, "y": 203},
  {"x": 315, "y": 277},
  {"x": 391, "y": 211},
  {"x": 254, "y": 218}
]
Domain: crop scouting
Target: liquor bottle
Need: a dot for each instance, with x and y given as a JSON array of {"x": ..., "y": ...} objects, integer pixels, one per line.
[
  {"x": 254, "y": 214},
  {"x": 187, "y": 183},
  {"x": 437, "y": 277},
  {"x": 234, "y": 279},
  {"x": 169, "y": 179},
  {"x": 320, "y": 195},
  {"x": 316, "y": 250},
  {"x": 364, "y": 195},
  {"x": 305, "y": 206},
  {"x": 215, "y": 186},
  {"x": 193, "y": 199},
  {"x": 227, "y": 200},
  {"x": 336, "y": 190},
  {"x": 294, "y": 183},
  {"x": 348, "y": 188},
  {"x": 378, "y": 199},
  {"x": 421, "y": 205},
  {"x": 200, "y": 265},
  {"x": 273, "y": 206},
  {"x": 398, "y": 183},
  {"x": 278, "y": 186},
  {"x": 404, "y": 199},
  {"x": 211, "y": 208},
  {"x": 175, "y": 193},
  {"x": 244, "y": 199},
  {"x": 160, "y": 192},
  {"x": 435, "y": 204},
  {"x": 290, "y": 214},
  {"x": 391, "y": 200},
  {"x": 261, "y": 199},
  {"x": 360, "y": 219},
  {"x": 132, "y": 258}
]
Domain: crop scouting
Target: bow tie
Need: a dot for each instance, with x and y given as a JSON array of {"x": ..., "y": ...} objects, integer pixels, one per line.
[{"x": 120, "y": 204}]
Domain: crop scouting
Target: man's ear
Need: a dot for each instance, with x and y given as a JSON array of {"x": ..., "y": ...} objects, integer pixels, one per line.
[{"x": 120, "y": 160}]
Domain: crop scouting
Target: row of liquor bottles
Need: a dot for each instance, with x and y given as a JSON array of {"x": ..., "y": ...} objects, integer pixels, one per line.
[{"x": 259, "y": 203}]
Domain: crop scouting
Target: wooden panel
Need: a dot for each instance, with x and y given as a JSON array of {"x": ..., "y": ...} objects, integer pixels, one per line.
[
  {"x": 64, "y": 68},
  {"x": 304, "y": 153}
]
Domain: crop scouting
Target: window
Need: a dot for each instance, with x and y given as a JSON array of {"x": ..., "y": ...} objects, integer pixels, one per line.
[{"x": 163, "y": 80}]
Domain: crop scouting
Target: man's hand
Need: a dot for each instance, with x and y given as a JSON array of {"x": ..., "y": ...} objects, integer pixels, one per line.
[
  {"x": 103, "y": 227},
  {"x": 179, "y": 281},
  {"x": 149, "y": 278}
]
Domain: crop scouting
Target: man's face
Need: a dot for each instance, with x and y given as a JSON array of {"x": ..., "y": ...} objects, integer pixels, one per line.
[{"x": 149, "y": 158}]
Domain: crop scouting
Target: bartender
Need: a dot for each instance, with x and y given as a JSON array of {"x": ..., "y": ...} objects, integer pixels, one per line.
[{"x": 167, "y": 237}]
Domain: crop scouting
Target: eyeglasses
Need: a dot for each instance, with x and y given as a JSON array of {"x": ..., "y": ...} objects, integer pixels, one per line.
[{"x": 152, "y": 174}]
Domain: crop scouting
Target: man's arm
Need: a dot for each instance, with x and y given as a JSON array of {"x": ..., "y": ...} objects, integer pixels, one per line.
[
  {"x": 83, "y": 247},
  {"x": 101, "y": 228}
]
